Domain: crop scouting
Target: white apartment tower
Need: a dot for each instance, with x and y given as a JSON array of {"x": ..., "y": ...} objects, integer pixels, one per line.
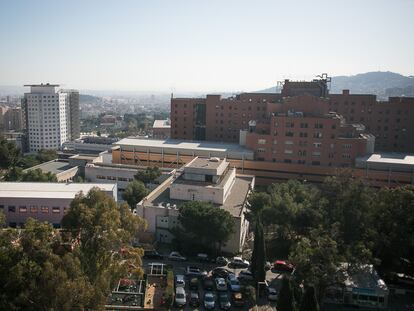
[{"x": 50, "y": 119}]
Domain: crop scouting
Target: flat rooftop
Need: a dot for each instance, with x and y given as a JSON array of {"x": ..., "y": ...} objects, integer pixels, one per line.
[
  {"x": 49, "y": 190},
  {"x": 205, "y": 163},
  {"x": 162, "y": 124},
  {"x": 233, "y": 204},
  {"x": 381, "y": 161},
  {"x": 54, "y": 167},
  {"x": 173, "y": 145}
]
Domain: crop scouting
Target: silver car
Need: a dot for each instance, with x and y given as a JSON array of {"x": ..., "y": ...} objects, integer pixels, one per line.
[
  {"x": 209, "y": 301},
  {"x": 180, "y": 299},
  {"x": 233, "y": 282}
]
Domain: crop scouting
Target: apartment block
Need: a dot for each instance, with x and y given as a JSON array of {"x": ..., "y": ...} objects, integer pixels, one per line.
[{"x": 51, "y": 118}]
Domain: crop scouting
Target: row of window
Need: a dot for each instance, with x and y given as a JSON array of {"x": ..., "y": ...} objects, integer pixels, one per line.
[
  {"x": 32, "y": 209},
  {"x": 304, "y": 125},
  {"x": 114, "y": 178}
]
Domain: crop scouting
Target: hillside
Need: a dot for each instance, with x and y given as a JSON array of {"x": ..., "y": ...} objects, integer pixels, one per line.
[{"x": 383, "y": 84}]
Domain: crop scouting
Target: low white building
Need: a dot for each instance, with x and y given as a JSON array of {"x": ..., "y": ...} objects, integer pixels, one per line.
[
  {"x": 43, "y": 201},
  {"x": 203, "y": 179}
]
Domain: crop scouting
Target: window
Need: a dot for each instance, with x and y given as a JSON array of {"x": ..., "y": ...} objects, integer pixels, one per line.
[
  {"x": 261, "y": 150},
  {"x": 346, "y": 156},
  {"x": 261, "y": 141},
  {"x": 317, "y": 145},
  {"x": 289, "y": 134},
  {"x": 288, "y": 151},
  {"x": 100, "y": 177},
  {"x": 290, "y": 124},
  {"x": 304, "y": 125},
  {"x": 302, "y": 153},
  {"x": 317, "y": 135},
  {"x": 12, "y": 209},
  {"x": 22, "y": 209},
  {"x": 316, "y": 163},
  {"x": 44, "y": 209},
  {"x": 275, "y": 142},
  {"x": 316, "y": 153},
  {"x": 318, "y": 126},
  {"x": 288, "y": 142},
  {"x": 1, "y": 207},
  {"x": 347, "y": 146},
  {"x": 303, "y": 134},
  {"x": 287, "y": 160},
  {"x": 55, "y": 209}
]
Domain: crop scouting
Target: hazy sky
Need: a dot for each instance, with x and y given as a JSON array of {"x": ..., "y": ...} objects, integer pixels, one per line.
[{"x": 209, "y": 45}]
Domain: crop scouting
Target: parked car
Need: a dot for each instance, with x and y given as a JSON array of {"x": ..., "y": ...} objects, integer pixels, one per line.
[
  {"x": 224, "y": 301},
  {"x": 246, "y": 276},
  {"x": 194, "y": 299},
  {"x": 202, "y": 257},
  {"x": 180, "y": 299},
  {"x": 238, "y": 262},
  {"x": 209, "y": 301},
  {"x": 221, "y": 285},
  {"x": 222, "y": 261},
  {"x": 194, "y": 284},
  {"x": 152, "y": 254},
  {"x": 233, "y": 283},
  {"x": 283, "y": 266},
  {"x": 179, "y": 281},
  {"x": 238, "y": 299},
  {"x": 208, "y": 283},
  {"x": 220, "y": 272},
  {"x": 176, "y": 256},
  {"x": 192, "y": 271},
  {"x": 272, "y": 294}
]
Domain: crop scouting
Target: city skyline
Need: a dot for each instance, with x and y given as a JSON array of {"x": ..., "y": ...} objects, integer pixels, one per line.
[{"x": 195, "y": 46}]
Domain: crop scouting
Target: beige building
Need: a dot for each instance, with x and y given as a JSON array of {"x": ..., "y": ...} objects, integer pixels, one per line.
[
  {"x": 43, "y": 201},
  {"x": 203, "y": 179}
]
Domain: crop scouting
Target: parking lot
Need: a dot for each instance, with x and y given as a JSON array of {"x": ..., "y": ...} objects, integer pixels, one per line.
[{"x": 179, "y": 268}]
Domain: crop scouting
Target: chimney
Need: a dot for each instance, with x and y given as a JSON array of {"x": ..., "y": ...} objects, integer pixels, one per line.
[{"x": 345, "y": 92}]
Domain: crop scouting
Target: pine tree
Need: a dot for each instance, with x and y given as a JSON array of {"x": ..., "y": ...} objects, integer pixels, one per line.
[
  {"x": 285, "y": 300},
  {"x": 309, "y": 301}
]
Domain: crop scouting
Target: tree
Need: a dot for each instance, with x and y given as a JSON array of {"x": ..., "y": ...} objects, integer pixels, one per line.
[
  {"x": 317, "y": 260},
  {"x": 104, "y": 230},
  {"x": 134, "y": 192},
  {"x": 9, "y": 153},
  {"x": 149, "y": 175},
  {"x": 309, "y": 301},
  {"x": 204, "y": 224},
  {"x": 285, "y": 301},
  {"x": 46, "y": 155},
  {"x": 37, "y": 175},
  {"x": 259, "y": 253},
  {"x": 34, "y": 277}
]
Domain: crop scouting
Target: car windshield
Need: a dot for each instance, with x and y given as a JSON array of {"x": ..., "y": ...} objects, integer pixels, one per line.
[
  {"x": 234, "y": 282},
  {"x": 224, "y": 298},
  {"x": 179, "y": 296},
  {"x": 209, "y": 298}
]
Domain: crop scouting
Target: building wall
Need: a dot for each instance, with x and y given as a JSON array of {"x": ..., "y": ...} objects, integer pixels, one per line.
[
  {"x": 100, "y": 174},
  {"x": 182, "y": 117},
  {"x": 390, "y": 122}
]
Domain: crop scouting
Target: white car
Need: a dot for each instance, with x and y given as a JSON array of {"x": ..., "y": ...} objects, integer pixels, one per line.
[
  {"x": 238, "y": 262},
  {"x": 221, "y": 285},
  {"x": 179, "y": 281},
  {"x": 180, "y": 299},
  {"x": 271, "y": 294},
  {"x": 176, "y": 256}
]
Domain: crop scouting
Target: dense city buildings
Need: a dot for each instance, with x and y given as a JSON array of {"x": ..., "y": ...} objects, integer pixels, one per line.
[
  {"x": 51, "y": 118},
  {"x": 10, "y": 118},
  {"x": 210, "y": 180},
  {"x": 42, "y": 201},
  {"x": 221, "y": 119}
]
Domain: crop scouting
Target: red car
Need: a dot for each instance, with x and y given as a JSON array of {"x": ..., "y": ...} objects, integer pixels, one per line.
[{"x": 281, "y": 265}]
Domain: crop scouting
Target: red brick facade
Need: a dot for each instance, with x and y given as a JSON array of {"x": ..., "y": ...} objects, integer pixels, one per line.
[{"x": 220, "y": 119}]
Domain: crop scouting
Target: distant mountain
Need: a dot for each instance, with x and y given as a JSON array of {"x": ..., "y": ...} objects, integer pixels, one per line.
[
  {"x": 83, "y": 98},
  {"x": 383, "y": 84}
]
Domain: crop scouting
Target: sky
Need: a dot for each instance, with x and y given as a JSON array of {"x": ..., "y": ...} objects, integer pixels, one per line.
[{"x": 209, "y": 45}]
